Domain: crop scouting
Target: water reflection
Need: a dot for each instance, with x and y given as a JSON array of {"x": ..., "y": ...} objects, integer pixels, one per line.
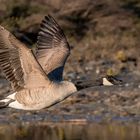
[{"x": 70, "y": 132}]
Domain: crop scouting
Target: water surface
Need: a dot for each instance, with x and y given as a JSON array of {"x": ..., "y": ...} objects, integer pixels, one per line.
[{"x": 70, "y": 131}]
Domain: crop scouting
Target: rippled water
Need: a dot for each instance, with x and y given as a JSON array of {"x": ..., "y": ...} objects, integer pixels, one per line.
[{"x": 68, "y": 131}]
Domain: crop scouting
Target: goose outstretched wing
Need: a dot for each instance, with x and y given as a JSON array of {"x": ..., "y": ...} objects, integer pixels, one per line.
[
  {"x": 18, "y": 63},
  {"x": 52, "y": 48}
]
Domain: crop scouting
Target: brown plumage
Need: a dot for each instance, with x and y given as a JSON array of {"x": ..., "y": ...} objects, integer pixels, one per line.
[
  {"x": 52, "y": 48},
  {"x": 36, "y": 78}
]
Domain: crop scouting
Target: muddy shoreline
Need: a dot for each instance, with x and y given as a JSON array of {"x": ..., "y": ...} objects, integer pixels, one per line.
[{"x": 98, "y": 104}]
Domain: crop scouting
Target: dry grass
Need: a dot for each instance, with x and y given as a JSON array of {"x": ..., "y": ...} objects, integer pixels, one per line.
[{"x": 98, "y": 30}]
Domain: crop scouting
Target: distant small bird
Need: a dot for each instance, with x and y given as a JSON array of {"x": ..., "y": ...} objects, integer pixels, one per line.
[
  {"x": 111, "y": 80},
  {"x": 36, "y": 78}
]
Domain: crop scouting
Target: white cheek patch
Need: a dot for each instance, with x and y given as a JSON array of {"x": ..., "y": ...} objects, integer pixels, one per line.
[{"x": 106, "y": 82}]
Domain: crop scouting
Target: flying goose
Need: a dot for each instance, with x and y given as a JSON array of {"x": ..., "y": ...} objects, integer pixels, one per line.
[{"x": 36, "y": 78}]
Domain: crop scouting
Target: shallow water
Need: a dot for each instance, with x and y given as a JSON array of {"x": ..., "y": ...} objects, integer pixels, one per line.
[{"x": 70, "y": 131}]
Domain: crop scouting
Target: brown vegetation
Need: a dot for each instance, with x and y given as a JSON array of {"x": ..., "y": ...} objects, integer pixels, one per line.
[{"x": 104, "y": 34}]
